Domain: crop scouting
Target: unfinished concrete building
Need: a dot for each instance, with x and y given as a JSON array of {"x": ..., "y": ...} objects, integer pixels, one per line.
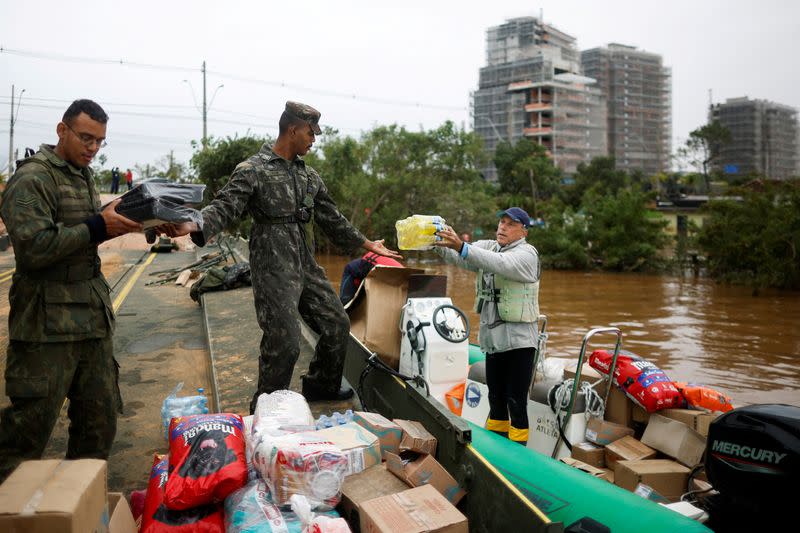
[
  {"x": 638, "y": 93},
  {"x": 764, "y": 138},
  {"x": 532, "y": 87}
]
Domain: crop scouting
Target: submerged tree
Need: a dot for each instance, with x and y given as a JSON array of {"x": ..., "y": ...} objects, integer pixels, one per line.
[{"x": 755, "y": 241}]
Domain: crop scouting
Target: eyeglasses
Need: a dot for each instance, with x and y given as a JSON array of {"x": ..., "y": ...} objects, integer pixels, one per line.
[{"x": 87, "y": 140}]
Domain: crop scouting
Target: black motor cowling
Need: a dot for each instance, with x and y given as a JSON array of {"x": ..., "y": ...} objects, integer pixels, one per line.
[{"x": 753, "y": 461}]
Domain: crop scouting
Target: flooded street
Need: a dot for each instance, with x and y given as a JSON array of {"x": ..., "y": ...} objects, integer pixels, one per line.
[{"x": 693, "y": 329}]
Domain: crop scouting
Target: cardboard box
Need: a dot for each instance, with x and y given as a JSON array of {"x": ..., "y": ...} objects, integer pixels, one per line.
[
  {"x": 640, "y": 415},
  {"x": 609, "y": 475},
  {"x": 416, "y": 438},
  {"x": 666, "y": 477},
  {"x": 120, "y": 516},
  {"x": 362, "y": 448},
  {"x": 417, "y": 510},
  {"x": 697, "y": 420},
  {"x": 675, "y": 439},
  {"x": 627, "y": 449},
  {"x": 388, "y": 433},
  {"x": 418, "y": 470},
  {"x": 589, "y": 454},
  {"x": 375, "y": 311},
  {"x": 589, "y": 469},
  {"x": 603, "y": 432},
  {"x": 619, "y": 408},
  {"x": 63, "y": 496},
  {"x": 373, "y": 482}
]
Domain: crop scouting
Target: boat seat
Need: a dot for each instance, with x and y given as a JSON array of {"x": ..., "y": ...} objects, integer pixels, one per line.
[
  {"x": 477, "y": 372},
  {"x": 540, "y": 391}
]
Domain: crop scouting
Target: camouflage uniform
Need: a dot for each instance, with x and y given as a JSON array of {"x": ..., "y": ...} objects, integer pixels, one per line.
[
  {"x": 61, "y": 319},
  {"x": 286, "y": 278}
]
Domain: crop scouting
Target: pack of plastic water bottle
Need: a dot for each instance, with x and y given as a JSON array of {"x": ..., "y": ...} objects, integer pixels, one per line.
[
  {"x": 336, "y": 419},
  {"x": 418, "y": 232},
  {"x": 182, "y": 406}
]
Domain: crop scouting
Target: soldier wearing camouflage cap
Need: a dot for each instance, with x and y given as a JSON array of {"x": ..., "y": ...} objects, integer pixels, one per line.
[
  {"x": 283, "y": 195},
  {"x": 61, "y": 318}
]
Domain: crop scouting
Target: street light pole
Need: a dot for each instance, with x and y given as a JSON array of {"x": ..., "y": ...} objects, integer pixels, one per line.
[{"x": 12, "y": 121}]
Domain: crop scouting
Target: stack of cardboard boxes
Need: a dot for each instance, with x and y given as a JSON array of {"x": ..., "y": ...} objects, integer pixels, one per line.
[
  {"x": 408, "y": 492},
  {"x": 633, "y": 448},
  {"x": 394, "y": 485}
]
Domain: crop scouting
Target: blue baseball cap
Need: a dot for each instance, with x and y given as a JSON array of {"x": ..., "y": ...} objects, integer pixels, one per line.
[{"x": 517, "y": 214}]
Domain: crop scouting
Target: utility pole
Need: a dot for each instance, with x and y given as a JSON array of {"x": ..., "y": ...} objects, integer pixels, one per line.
[
  {"x": 206, "y": 104},
  {"x": 205, "y": 110},
  {"x": 12, "y": 121}
]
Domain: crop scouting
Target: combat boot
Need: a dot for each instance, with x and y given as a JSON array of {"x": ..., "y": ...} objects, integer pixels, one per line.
[{"x": 313, "y": 393}]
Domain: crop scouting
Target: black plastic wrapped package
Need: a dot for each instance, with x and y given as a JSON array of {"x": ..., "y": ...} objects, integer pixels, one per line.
[{"x": 155, "y": 203}]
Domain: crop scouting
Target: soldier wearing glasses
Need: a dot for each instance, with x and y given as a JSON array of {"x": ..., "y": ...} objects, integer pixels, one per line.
[
  {"x": 283, "y": 195},
  {"x": 61, "y": 319}
]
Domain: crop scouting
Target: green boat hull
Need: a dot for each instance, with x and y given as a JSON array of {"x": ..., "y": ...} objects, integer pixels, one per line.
[
  {"x": 510, "y": 487},
  {"x": 566, "y": 494}
]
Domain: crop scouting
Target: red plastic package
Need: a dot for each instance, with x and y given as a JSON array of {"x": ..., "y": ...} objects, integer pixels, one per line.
[
  {"x": 158, "y": 519},
  {"x": 642, "y": 381},
  {"x": 206, "y": 459}
]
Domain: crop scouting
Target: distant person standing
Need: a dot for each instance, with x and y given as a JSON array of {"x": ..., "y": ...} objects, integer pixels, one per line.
[
  {"x": 114, "y": 180},
  {"x": 129, "y": 179}
]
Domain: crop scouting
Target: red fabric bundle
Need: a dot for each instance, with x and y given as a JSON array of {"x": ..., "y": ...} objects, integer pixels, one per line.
[
  {"x": 642, "y": 381},
  {"x": 158, "y": 519},
  {"x": 206, "y": 459}
]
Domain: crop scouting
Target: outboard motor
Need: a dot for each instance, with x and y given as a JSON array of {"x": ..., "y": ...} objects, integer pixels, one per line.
[
  {"x": 434, "y": 343},
  {"x": 753, "y": 461}
]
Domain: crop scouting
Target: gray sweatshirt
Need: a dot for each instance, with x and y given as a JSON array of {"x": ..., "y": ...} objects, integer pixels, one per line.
[{"x": 519, "y": 261}]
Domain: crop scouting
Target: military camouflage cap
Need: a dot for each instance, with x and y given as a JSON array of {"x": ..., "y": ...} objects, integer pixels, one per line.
[{"x": 305, "y": 112}]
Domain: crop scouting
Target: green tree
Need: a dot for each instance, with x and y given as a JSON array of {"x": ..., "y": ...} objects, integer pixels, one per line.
[
  {"x": 703, "y": 147},
  {"x": 526, "y": 173},
  {"x": 599, "y": 175},
  {"x": 755, "y": 241},
  {"x": 391, "y": 173},
  {"x": 623, "y": 236},
  {"x": 214, "y": 165},
  {"x": 562, "y": 243}
]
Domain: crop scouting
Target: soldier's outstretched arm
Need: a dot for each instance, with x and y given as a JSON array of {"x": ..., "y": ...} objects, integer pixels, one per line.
[
  {"x": 379, "y": 248},
  {"x": 177, "y": 230}
]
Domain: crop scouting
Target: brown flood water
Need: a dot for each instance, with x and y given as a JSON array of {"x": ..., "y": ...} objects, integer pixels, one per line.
[{"x": 693, "y": 329}]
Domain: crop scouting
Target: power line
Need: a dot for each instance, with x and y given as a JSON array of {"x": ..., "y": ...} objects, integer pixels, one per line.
[
  {"x": 237, "y": 77},
  {"x": 97, "y": 61}
]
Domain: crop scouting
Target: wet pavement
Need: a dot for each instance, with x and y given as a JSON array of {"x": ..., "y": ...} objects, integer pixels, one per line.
[
  {"x": 159, "y": 341},
  {"x": 163, "y": 337}
]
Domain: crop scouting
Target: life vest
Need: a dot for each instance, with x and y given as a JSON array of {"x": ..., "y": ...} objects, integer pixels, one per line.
[
  {"x": 517, "y": 301},
  {"x": 704, "y": 398},
  {"x": 374, "y": 259}
]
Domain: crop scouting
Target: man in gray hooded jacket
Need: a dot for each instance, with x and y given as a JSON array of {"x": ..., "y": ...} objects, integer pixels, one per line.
[{"x": 507, "y": 298}]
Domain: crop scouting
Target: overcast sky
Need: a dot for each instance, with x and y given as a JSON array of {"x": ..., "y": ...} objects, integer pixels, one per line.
[{"x": 361, "y": 63}]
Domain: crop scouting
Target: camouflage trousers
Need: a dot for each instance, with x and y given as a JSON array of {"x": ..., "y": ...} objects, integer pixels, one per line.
[
  {"x": 38, "y": 378},
  {"x": 280, "y": 296}
]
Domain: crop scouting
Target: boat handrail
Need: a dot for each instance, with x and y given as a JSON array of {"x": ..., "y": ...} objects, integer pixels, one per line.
[{"x": 577, "y": 380}]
